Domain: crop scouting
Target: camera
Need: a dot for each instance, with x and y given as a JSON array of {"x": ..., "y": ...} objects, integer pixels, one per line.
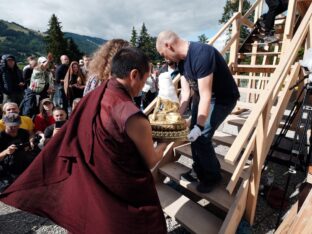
[
  {"x": 22, "y": 145},
  {"x": 59, "y": 124}
]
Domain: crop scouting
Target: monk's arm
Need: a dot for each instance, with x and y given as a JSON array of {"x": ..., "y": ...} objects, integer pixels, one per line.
[{"x": 139, "y": 130}]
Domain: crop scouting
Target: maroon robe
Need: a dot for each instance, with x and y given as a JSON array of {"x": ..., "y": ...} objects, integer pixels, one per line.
[{"x": 90, "y": 178}]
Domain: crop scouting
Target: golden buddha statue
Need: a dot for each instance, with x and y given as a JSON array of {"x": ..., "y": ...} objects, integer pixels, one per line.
[{"x": 166, "y": 121}]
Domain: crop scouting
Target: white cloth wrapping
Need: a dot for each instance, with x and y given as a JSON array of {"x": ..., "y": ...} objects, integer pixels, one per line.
[{"x": 166, "y": 87}]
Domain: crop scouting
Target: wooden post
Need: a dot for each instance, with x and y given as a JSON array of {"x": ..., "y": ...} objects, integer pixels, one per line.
[
  {"x": 260, "y": 154},
  {"x": 258, "y": 11},
  {"x": 240, "y": 6},
  {"x": 289, "y": 25},
  {"x": 308, "y": 43},
  {"x": 234, "y": 46}
]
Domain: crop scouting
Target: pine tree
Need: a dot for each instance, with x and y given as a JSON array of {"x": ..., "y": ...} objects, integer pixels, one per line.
[
  {"x": 203, "y": 38},
  {"x": 229, "y": 9},
  {"x": 134, "y": 38},
  {"x": 55, "y": 42},
  {"x": 148, "y": 45},
  {"x": 73, "y": 52},
  {"x": 144, "y": 41}
]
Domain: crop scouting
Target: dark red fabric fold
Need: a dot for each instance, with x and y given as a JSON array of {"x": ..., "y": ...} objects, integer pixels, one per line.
[{"x": 90, "y": 177}]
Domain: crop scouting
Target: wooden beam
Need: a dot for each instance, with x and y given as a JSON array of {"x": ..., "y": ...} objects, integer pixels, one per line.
[{"x": 236, "y": 212}]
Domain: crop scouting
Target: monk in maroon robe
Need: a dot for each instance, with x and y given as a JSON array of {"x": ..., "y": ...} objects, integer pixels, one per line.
[{"x": 93, "y": 176}]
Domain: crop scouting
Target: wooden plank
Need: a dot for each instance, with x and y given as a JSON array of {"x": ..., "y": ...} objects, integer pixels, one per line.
[
  {"x": 222, "y": 30},
  {"x": 185, "y": 150},
  {"x": 235, "y": 120},
  {"x": 219, "y": 196},
  {"x": 246, "y": 105},
  {"x": 260, "y": 53},
  {"x": 223, "y": 138},
  {"x": 229, "y": 44},
  {"x": 247, "y": 77},
  {"x": 303, "y": 221},
  {"x": 237, "y": 210},
  {"x": 287, "y": 222},
  {"x": 254, "y": 68},
  {"x": 247, "y": 22},
  {"x": 188, "y": 213},
  {"x": 250, "y": 90},
  {"x": 168, "y": 156},
  {"x": 241, "y": 164}
]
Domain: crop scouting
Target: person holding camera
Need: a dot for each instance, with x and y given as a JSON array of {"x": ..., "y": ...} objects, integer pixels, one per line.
[
  {"x": 14, "y": 143},
  {"x": 59, "y": 116}
]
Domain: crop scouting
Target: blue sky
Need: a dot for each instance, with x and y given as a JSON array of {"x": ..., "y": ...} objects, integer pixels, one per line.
[{"x": 115, "y": 18}]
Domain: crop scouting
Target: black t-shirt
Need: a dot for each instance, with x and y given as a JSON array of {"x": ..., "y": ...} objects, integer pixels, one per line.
[
  {"x": 202, "y": 60},
  {"x": 27, "y": 75},
  {"x": 48, "y": 132},
  {"x": 60, "y": 73},
  {"x": 7, "y": 140}
]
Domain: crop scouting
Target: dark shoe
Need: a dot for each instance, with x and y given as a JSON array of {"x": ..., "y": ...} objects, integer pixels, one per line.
[
  {"x": 262, "y": 26},
  {"x": 204, "y": 187},
  {"x": 188, "y": 176}
]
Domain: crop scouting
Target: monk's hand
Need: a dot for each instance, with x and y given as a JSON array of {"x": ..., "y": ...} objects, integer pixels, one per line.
[{"x": 194, "y": 133}]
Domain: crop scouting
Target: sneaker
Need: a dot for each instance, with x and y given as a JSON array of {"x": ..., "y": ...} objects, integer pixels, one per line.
[
  {"x": 206, "y": 187},
  {"x": 189, "y": 176},
  {"x": 270, "y": 39}
]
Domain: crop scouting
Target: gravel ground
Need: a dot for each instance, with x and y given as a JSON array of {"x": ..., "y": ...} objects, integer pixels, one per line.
[{"x": 13, "y": 221}]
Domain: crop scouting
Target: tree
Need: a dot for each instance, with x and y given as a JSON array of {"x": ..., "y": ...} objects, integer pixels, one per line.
[
  {"x": 73, "y": 52},
  {"x": 134, "y": 38},
  {"x": 203, "y": 38},
  {"x": 229, "y": 9},
  {"x": 55, "y": 42},
  {"x": 144, "y": 41}
]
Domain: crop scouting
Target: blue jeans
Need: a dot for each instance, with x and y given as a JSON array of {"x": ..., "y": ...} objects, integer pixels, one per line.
[
  {"x": 59, "y": 98},
  {"x": 205, "y": 162}
]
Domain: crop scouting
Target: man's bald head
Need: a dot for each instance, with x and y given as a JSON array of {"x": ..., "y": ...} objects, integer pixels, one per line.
[
  {"x": 64, "y": 59},
  {"x": 164, "y": 37}
]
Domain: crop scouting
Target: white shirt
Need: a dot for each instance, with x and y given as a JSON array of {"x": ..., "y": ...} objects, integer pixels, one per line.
[{"x": 150, "y": 85}]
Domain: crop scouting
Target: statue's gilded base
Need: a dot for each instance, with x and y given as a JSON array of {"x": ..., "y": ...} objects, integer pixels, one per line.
[{"x": 180, "y": 135}]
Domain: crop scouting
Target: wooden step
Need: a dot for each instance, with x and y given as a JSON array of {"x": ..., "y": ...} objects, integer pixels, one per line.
[
  {"x": 219, "y": 196},
  {"x": 186, "y": 151},
  {"x": 245, "y": 105},
  {"x": 223, "y": 138},
  {"x": 191, "y": 215},
  {"x": 260, "y": 53},
  {"x": 254, "y": 68},
  {"x": 235, "y": 120},
  {"x": 248, "y": 77},
  {"x": 250, "y": 90}
]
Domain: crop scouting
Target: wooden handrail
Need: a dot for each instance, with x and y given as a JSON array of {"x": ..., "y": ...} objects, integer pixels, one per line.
[
  {"x": 281, "y": 70},
  {"x": 230, "y": 42},
  {"x": 222, "y": 30},
  {"x": 251, "y": 9}
]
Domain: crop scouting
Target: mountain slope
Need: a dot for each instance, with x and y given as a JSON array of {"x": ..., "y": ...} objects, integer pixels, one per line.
[
  {"x": 86, "y": 44},
  {"x": 22, "y": 42}
]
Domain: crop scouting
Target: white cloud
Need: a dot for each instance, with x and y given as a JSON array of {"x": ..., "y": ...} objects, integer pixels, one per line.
[{"x": 115, "y": 18}]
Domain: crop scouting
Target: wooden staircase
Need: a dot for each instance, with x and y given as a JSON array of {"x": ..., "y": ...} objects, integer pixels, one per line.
[{"x": 264, "y": 74}]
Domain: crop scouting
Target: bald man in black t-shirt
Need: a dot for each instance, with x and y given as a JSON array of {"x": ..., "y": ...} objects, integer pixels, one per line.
[{"x": 204, "y": 71}]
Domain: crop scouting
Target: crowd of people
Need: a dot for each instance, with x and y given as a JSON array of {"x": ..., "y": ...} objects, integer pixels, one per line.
[
  {"x": 43, "y": 95},
  {"x": 92, "y": 151}
]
